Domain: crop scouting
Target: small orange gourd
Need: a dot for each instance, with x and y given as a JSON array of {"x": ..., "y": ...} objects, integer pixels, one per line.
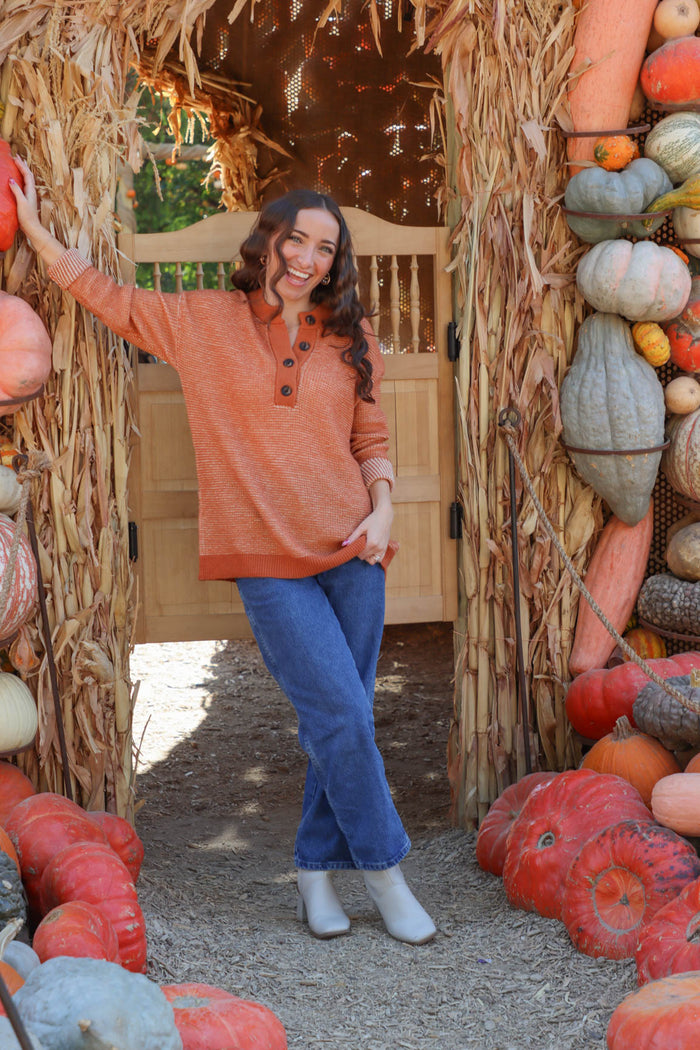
[
  {"x": 614, "y": 152},
  {"x": 646, "y": 643},
  {"x": 636, "y": 757},
  {"x": 651, "y": 342}
]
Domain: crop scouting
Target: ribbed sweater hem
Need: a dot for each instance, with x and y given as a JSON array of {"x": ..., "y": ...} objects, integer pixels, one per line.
[{"x": 280, "y": 566}]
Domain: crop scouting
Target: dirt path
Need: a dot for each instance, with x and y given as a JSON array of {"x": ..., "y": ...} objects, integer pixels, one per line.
[{"x": 220, "y": 781}]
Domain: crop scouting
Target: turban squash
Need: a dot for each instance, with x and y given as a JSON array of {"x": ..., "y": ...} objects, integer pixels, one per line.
[{"x": 611, "y": 398}]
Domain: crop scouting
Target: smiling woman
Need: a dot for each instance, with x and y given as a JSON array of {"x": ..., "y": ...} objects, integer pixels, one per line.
[{"x": 281, "y": 379}]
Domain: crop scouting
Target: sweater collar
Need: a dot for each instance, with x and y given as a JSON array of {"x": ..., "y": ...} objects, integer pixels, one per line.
[{"x": 266, "y": 313}]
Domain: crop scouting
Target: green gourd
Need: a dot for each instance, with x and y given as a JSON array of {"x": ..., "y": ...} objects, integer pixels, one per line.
[
  {"x": 626, "y": 192},
  {"x": 611, "y": 399}
]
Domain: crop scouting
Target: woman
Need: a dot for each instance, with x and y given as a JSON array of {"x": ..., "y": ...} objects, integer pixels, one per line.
[{"x": 281, "y": 381}]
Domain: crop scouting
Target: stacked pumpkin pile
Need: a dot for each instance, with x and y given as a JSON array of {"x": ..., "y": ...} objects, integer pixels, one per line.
[{"x": 70, "y": 876}]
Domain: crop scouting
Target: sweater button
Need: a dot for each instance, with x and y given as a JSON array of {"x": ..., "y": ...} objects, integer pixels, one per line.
[
  {"x": 310, "y": 319},
  {"x": 288, "y": 362},
  {"x": 303, "y": 346},
  {"x": 286, "y": 390}
]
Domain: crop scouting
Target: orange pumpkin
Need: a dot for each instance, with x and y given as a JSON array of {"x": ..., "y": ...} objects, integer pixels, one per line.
[
  {"x": 675, "y": 802},
  {"x": 25, "y": 351},
  {"x": 14, "y": 786},
  {"x": 661, "y": 1013},
  {"x": 646, "y": 643},
  {"x": 694, "y": 765},
  {"x": 12, "y": 979},
  {"x": 614, "y": 152},
  {"x": 637, "y": 758}
]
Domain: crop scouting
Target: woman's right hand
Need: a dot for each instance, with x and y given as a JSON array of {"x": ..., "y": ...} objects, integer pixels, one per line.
[{"x": 43, "y": 242}]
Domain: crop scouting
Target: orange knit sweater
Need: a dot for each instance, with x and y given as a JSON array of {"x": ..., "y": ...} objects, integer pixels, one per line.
[{"x": 285, "y": 449}]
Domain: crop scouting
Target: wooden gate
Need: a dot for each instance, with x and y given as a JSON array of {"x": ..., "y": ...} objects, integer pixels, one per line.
[{"x": 402, "y": 273}]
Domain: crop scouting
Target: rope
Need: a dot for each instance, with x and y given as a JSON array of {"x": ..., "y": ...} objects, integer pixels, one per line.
[
  {"x": 684, "y": 701},
  {"x": 37, "y": 462}
]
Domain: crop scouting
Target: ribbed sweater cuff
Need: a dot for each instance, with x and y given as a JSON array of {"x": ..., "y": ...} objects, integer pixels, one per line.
[
  {"x": 377, "y": 470},
  {"x": 68, "y": 268}
]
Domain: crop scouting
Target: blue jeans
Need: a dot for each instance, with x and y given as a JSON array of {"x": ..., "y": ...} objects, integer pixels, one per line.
[{"x": 319, "y": 637}]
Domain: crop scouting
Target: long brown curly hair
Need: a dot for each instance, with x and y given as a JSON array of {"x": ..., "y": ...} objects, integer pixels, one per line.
[{"x": 274, "y": 224}]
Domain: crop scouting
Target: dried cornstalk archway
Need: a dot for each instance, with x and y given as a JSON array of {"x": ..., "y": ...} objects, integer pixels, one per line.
[{"x": 66, "y": 110}]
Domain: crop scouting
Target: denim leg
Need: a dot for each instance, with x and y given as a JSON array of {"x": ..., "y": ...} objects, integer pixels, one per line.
[{"x": 320, "y": 640}]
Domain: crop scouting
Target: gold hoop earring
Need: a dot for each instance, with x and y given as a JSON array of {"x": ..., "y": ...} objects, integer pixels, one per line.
[{"x": 326, "y": 279}]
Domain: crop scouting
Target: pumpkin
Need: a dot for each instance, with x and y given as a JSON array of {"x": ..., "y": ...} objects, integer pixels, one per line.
[
  {"x": 609, "y": 44},
  {"x": 14, "y": 786},
  {"x": 19, "y": 720},
  {"x": 683, "y": 553},
  {"x": 682, "y": 395},
  {"x": 7, "y": 846},
  {"x": 614, "y": 591},
  {"x": 206, "y": 1017},
  {"x": 652, "y": 342},
  {"x": 614, "y": 152},
  {"x": 8, "y": 205},
  {"x": 596, "y": 699},
  {"x": 693, "y": 765},
  {"x": 642, "y": 281},
  {"x": 98, "y": 1003},
  {"x": 23, "y": 588},
  {"x": 122, "y": 838},
  {"x": 645, "y": 643},
  {"x": 21, "y": 958},
  {"x": 674, "y": 18},
  {"x": 10, "y": 491},
  {"x": 25, "y": 351},
  {"x": 639, "y": 759},
  {"x": 669, "y": 942},
  {"x": 660, "y": 715},
  {"x": 494, "y": 828},
  {"x": 13, "y": 902},
  {"x": 40, "y": 827},
  {"x": 552, "y": 826},
  {"x": 683, "y": 332},
  {"x": 670, "y": 76},
  {"x": 674, "y": 143},
  {"x": 92, "y": 872},
  {"x": 612, "y": 399},
  {"x": 13, "y": 981},
  {"x": 675, "y": 802},
  {"x": 621, "y": 878},
  {"x": 681, "y": 460},
  {"x": 78, "y": 929},
  {"x": 670, "y": 603},
  {"x": 625, "y": 192},
  {"x": 661, "y": 1014},
  {"x": 686, "y": 226}
]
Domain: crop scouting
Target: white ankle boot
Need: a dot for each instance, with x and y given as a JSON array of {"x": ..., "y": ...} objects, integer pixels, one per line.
[
  {"x": 403, "y": 916},
  {"x": 319, "y": 902}
]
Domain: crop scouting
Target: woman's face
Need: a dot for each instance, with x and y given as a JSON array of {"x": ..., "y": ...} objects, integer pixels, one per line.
[{"x": 308, "y": 253}]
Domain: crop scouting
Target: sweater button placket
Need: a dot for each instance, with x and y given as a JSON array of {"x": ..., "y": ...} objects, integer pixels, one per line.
[{"x": 286, "y": 390}]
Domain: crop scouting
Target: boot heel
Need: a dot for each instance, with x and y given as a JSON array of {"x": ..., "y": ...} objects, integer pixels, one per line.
[{"x": 301, "y": 910}]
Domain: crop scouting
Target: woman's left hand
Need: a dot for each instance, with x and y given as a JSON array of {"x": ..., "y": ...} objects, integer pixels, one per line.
[{"x": 376, "y": 528}]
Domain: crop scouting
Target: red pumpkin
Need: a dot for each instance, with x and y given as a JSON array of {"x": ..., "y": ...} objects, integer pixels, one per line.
[
  {"x": 25, "y": 351},
  {"x": 553, "y": 824},
  {"x": 208, "y": 1017},
  {"x": 76, "y": 928},
  {"x": 670, "y": 75},
  {"x": 663, "y": 1015},
  {"x": 621, "y": 877},
  {"x": 494, "y": 828},
  {"x": 40, "y": 827},
  {"x": 122, "y": 838},
  {"x": 92, "y": 872},
  {"x": 683, "y": 333},
  {"x": 23, "y": 589},
  {"x": 669, "y": 943},
  {"x": 14, "y": 786},
  {"x": 636, "y": 757},
  {"x": 596, "y": 699},
  {"x": 8, "y": 205}
]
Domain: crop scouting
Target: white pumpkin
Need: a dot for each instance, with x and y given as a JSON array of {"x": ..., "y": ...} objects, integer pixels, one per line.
[
  {"x": 18, "y": 715},
  {"x": 686, "y": 225},
  {"x": 674, "y": 143},
  {"x": 10, "y": 491},
  {"x": 23, "y": 589},
  {"x": 642, "y": 282}
]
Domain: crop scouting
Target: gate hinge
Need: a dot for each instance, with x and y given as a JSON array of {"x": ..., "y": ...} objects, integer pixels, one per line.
[
  {"x": 453, "y": 344},
  {"x": 455, "y": 521},
  {"x": 133, "y": 541}
]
